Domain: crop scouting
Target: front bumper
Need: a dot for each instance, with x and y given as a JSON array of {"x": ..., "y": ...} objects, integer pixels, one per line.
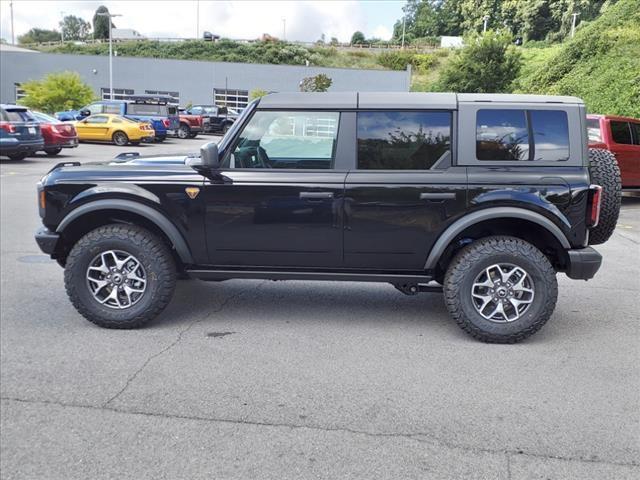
[
  {"x": 47, "y": 240},
  {"x": 583, "y": 263}
]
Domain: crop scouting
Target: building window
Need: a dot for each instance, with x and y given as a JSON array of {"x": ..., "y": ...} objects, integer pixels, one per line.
[
  {"x": 175, "y": 95},
  {"x": 20, "y": 93},
  {"x": 235, "y": 99},
  {"x": 118, "y": 93}
]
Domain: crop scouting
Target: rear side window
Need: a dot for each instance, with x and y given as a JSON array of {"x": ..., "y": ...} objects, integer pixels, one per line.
[
  {"x": 635, "y": 127},
  {"x": 110, "y": 108},
  {"x": 517, "y": 135},
  {"x": 147, "y": 109},
  {"x": 621, "y": 132},
  {"x": 403, "y": 140}
]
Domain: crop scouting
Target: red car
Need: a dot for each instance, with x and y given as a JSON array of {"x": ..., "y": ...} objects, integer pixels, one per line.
[
  {"x": 57, "y": 135},
  {"x": 190, "y": 125},
  {"x": 621, "y": 136}
]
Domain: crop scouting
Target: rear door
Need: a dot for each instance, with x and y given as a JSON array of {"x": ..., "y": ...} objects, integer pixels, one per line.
[
  {"x": 626, "y": 150},
  {"x": 277, "y": 201},
  {"x": 403, "y": 189}
]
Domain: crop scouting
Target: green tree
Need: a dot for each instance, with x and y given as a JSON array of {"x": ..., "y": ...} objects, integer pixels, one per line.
[
  {"x": 357, "y": 38},
  {"x": 319, "y": 83},
  {"x": 75, "y": 28},
  {"x": 257, "y": 93},
  {"x": 488, "y": 63},
  {"x": 101, "y": 23},
  {"x": 39, "y": 35},
  {"x": 57, "y": 91}
]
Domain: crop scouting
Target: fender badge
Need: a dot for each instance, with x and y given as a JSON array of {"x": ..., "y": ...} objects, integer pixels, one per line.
[{"x": 192, "y": 192}]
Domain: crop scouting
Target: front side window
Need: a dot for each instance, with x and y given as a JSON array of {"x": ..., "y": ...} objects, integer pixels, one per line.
[
  {"x": 95, "y": 108},
  {"x": 502, "y": 135},
  {"x": 621, "y": 132},
  {"x": 304, "y": 140},
  {"x": 402, "y": 140},
  {"x": 550, "y": 135},
  {"x": 97, "y": 119}
]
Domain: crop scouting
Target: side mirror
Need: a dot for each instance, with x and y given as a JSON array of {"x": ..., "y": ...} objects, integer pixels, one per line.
[
  {"x": 209, "y": 156},
  {"x": 85, "y": 112}
]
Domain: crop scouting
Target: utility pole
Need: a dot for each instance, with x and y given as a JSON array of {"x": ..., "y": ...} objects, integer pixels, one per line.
[
  {"x": 573, "y": 24},
  {"x": 197, "y": 19},
  {"x": 404, "y": 22},
  {"x": 284, "y": 29},
  {"x": 13, "y": 39},
  {"x": 110, "y": 16},
  {"x": 486, "y": 21}
]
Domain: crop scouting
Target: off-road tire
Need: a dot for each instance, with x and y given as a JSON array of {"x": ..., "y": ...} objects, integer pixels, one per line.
[
  {"x": 120, "y": 138},
  {"x": 604, "y": 171},
  {"x": 154, "y": 256},
  {"x": 475, "y": 257},
  {"x": 184, "y": 131},
  {"x": 18, "y": 156},
  {"x": 52, "y": 152}
]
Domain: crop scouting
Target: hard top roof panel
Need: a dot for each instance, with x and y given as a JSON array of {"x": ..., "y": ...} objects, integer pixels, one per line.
[{"x": 516, "y": 98}]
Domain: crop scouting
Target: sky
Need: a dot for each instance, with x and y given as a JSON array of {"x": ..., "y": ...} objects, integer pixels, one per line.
[{"x": 305, "y": 20}]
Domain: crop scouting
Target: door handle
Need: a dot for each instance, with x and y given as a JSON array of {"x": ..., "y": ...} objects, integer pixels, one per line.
[
  {"x": 316, "y": 195},
  {"x": 437, "y": 196}
]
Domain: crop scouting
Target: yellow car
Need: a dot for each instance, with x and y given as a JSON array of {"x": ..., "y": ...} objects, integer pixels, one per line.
[{"x": 114, "y": 128}]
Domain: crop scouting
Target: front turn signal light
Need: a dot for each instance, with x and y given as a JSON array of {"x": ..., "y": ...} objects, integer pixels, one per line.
[{"x": 42, "y": 200}]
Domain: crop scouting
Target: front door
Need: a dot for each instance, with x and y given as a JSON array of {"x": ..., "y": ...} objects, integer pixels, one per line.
[
  {"x": 94, "y": 127},
  {"x": 276, "y": 201},
  {"x": 404, "y": 190}
]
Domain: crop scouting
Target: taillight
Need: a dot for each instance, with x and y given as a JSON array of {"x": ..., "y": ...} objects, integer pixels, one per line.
[
  {"x": 595, "y": 199},
  {"x": 166, "y": 122},
  {"x": 7, "y": 127},
  {"x": 56, "y": 129}
]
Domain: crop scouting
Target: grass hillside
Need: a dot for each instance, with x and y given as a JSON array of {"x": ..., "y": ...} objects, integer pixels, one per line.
[{"x": 601, "y": 64}]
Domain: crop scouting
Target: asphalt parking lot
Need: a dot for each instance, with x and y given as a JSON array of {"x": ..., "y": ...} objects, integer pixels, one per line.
[{"x": 272, "y": 380}]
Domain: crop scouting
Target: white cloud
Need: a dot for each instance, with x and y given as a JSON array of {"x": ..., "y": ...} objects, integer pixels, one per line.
[
  {"x": 382, "y": 32},
  {"x": 305, "y": 20}
]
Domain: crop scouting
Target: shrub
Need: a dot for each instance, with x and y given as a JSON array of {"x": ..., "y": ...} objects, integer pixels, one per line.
[{"x": 57, "y": 91}]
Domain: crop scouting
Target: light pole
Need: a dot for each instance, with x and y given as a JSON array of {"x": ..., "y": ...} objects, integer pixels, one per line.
[
  {"x": 573, "y": 24},
  {"x": 197, "y": 19},
  {"x": 13, "y": 40},
  {"x": 404, "y": 22},
  {"x": 110, "y": 16},
  {"x": 284, "y": 29},
  {"x": 486, "y": 21},
  {"x": 62, "y": 27}
]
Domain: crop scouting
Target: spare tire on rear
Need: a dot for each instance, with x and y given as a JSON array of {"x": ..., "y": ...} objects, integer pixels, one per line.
[{"x": 604, "y": 171}]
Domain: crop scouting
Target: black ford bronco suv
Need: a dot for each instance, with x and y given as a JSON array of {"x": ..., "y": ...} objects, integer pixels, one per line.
[{"x": 484, "y": 197}]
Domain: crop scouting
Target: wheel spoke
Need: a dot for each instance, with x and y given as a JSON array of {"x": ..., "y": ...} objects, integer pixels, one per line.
[
  {"x": 122, "y": 273},
  {"x": 486, "y": 300}
]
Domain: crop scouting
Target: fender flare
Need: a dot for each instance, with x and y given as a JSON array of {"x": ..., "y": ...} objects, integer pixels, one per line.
[
  {"x": 160, "y": 220},
  {"x": 489, "y": 214}
]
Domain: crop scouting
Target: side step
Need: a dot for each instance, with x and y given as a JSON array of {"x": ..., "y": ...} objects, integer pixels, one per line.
[{"x": 217, "y": 275}]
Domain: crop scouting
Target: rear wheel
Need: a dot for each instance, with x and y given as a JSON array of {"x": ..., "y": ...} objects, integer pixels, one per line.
[
  {"x": 183, "y": 131},
  {"x": 18, "y": 156},
  {"x": 604, "y": 171},
  {"x": 120, "y": 138},
  {"x": 52, "y": 151},
  {"x": 500, "y": 289},
  {"x": 120, "y": 276},
  {"x": 193, "y": 135}
]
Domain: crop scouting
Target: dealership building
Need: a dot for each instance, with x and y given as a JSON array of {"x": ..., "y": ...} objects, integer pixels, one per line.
[{"x": 189, "y": 81}]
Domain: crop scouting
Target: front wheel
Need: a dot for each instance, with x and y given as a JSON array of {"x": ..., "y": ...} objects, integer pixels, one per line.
[
  {"x": 500, "y": 289},
  {"x": 52, "y": 151},
  {"x": 120, "y": 139},
  {"x": 183, "y": 131},
  {"x": 18, "y": 156},
  {"x": 120, "y": 276}
]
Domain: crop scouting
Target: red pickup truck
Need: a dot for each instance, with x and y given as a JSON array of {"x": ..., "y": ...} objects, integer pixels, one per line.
[
  {"x": 621, "y": 136},
  {"x": 190, "y": 125}
]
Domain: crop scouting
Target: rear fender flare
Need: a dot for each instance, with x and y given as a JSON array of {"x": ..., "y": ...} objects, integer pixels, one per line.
[
  {"x": 154, "y": 216},
  {"x": 489, "y": 214}
]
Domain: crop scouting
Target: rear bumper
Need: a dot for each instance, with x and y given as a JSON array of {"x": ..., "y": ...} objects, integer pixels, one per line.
[
  {"x": 583, "y": 263},
  {"x": 47, "y": 240},
  {"x": 25, "y": 146},
  {"x": 61, "y": 142}
]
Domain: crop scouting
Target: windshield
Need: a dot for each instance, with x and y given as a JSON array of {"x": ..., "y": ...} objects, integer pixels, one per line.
[{"x": 43, "y": 117}]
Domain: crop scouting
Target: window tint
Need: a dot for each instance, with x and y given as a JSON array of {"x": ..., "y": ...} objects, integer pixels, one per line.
[
  {"x": 19, "y": 116},
  {"x": 621, "y": 132},
  {"x": 287, "y": 140},
  {"x": 636, "y": 131},
  {"x": 593, "y": 130},
  {"x": 402, "y": 140},
  {"x": 147, "y": 109},
  {"x": 550, "y": 135},
  {"x": 502, "y": 135}
]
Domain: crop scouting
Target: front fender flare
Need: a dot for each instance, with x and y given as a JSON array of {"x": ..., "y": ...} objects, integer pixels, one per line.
[
  {"x": 489, "y": 214},
  {"x": 159, "y": 219}
]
